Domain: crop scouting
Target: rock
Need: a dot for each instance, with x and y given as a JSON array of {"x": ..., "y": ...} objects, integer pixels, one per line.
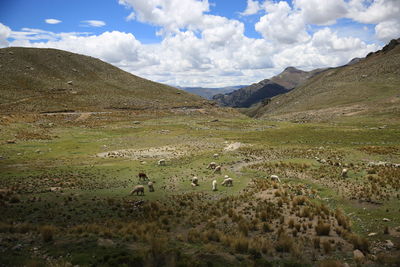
[
  {"x": 69, "y": 82},
  {"x": 389, "y": 244},
  {"x": 136, "y": 122},
  {"x": 358, "y": 255},
  {"x": 372, "y": 234},
  {"x": 386, "y": 220},
  {"x": 55, "y": 189},
  {"x": 102, "y": 242},
  {"x": 17, "y": 247}
]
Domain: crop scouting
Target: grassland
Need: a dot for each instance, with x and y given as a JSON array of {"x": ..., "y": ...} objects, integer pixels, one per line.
[{"x": 65, "y": 199}]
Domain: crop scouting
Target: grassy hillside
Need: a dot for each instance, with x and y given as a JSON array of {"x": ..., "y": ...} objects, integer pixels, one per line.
[
  {"x": 40, "y": 80},
  {"x": 367, "y": 88}
]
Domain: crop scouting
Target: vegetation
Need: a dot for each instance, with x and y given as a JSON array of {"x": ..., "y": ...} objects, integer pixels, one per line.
[{"x": 65, "y": 197}]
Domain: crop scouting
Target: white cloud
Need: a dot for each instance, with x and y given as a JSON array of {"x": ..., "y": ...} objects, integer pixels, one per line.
[
  {"x": 93, "y": 23},
  {"x": 374, "y": 12},
  {"x": 383, "y": 13},
  {"x": 5, "y": 32},
  {"x": 321, "y": 12},
  {"x": 52, "y": 21},
  {"x": 325, "y": 49},
  {"x": 172, "y": 15},
  {"x": 281, "y": 24},
  {"x": 253, "y": 7},
  {"x": 388, "y": 30}
]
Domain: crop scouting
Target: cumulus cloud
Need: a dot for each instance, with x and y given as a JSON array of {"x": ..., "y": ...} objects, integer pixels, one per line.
[
  {"x": 172, "y": 15},
  {"x": 388, "y": 30},
  {"x": 93, "y": 23},
  {"x": 52, "y": 21},
  {"x": 383, "y": 13},
  {"x": 321, "y": 12},
  {"x": 253, "y": 7},
  {"x": 5, "y": 32},
  {"x": 325, "y": 49},
  {"x": 282, "y": 24}
]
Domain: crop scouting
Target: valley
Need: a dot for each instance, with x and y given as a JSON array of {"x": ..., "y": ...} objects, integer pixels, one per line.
[
  {"x": 66, "y": 182},
  {"x": 103, "y": 168}
]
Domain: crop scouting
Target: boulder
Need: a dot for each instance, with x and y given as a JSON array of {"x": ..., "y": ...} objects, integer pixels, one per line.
[{"x": 358, "y": 255}]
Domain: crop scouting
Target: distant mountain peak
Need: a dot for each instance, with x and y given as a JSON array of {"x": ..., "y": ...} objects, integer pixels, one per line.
[{"x": 291, "y": 69}]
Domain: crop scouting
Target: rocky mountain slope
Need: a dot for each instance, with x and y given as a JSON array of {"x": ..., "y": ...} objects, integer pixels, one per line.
[
  {"x": 49, "y": 80},
  {"x": 280, "y": 84},
  {"x": 367, "y": 87}
]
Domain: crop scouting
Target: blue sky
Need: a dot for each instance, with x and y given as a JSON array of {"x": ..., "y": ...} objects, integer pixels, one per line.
[{"x": 204, "y": 43}]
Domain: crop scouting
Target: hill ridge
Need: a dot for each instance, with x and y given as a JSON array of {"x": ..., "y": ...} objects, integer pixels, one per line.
[{"x": 46, "y": 79}]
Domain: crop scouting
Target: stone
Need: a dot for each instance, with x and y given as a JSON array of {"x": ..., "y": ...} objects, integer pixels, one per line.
[
  {"x": 372, "y": 234},
  {"x": 386, "y": 220},
  {"x": 358, "y": 255},
  {"x": 102, "y": 242},
  {"x": 389, "y": 244}
]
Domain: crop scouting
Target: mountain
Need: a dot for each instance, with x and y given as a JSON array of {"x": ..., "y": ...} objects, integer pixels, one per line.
[
  {"x": 280, "y": 84},
  {"x": 208, "y": 93},
  {"x": 50, "y": 80},
  {"x": 368, "y": 87}
]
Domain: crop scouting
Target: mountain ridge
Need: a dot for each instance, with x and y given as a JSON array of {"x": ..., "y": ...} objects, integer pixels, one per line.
[
  {"x": 368, "y": 87},
  {"x": 282, "y": 83}
]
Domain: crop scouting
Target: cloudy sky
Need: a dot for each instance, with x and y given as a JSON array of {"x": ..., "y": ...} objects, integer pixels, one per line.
[{"x": 209, "y": 43}]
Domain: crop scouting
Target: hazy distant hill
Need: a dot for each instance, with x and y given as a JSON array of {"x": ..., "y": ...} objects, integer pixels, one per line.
[
  {"x": 255, "y": 93},
  {"x": 38, "y": 80},
  {"x": 369, "y": 86},
  {"x": 208, "y": 93}
]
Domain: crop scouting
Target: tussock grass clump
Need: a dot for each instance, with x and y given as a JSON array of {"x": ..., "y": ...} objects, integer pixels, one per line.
[
  {"x": 240, "y": 244},
  {"x": 284, "y": 243},
  {"x": 326, "y": 245},
  {"x": 359, "y": 242},
  {"x": 47, "y": 232},
  {"x": 342, "y": 219},
  {"x": 322, "y": 229}
]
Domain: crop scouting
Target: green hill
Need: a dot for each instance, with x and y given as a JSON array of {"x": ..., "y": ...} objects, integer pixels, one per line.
[
  {"x": 50, "y": 80},
  {"x": 370, "y": 87}
]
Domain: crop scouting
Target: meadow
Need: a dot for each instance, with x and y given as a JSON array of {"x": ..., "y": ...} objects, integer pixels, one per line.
[{"x": 66, "y": 180}]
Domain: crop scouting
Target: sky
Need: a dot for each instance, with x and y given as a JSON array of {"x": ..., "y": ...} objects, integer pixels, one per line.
[{"x": 207, "y": 43}]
